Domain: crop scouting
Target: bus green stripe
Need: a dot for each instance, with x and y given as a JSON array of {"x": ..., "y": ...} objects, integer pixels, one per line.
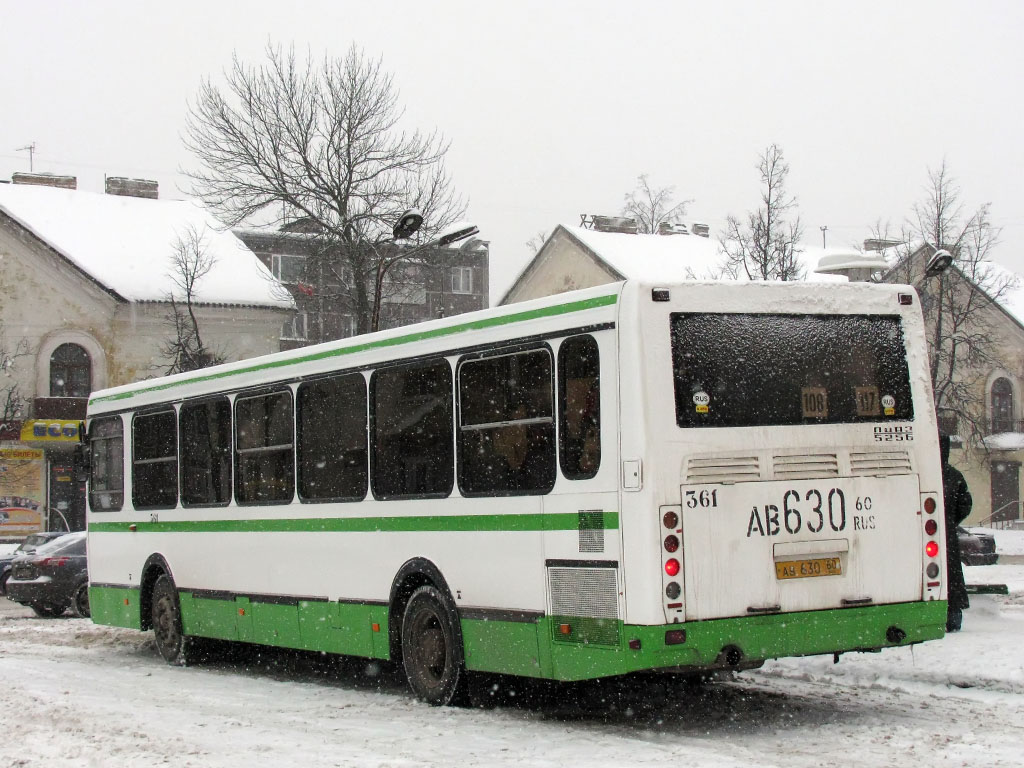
[
  {"x": 474, "y": 325},
  {"x": 568, "y": 521}
]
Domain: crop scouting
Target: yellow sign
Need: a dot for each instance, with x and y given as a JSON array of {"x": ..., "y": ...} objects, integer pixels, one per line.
[
  {"x": 21, "y": 491},
  {"x": 49, "y": 431}
]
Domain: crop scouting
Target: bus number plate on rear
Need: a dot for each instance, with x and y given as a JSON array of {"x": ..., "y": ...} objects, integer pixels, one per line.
[{"x": 802, "y": 569}]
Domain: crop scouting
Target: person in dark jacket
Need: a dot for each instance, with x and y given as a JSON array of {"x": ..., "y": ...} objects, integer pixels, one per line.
[{"x": 957, "y": 500}]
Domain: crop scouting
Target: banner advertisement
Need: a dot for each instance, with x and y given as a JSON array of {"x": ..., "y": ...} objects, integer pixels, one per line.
[{"x": 22, "y": 494}]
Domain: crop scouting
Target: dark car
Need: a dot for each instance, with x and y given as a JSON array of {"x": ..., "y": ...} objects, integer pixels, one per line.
[
  {"x": 52, "y": 578},
  {"x": 28, "y": 546},
  {"x": 976, "y": 548}
]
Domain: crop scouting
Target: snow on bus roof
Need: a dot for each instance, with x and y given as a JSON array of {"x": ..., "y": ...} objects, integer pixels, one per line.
[{"x": 127, "y": 243}]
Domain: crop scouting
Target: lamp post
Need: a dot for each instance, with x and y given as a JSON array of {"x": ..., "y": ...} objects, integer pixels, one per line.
[
  {"x": 937, "y": 265},
  {"x": 409, "y": 222}
]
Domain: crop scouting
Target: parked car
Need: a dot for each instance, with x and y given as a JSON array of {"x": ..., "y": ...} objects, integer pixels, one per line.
[
  {"x": 52, "y": 578},
  {"x": 28, "y": 546},
  {"x": 976, "y": 548}
]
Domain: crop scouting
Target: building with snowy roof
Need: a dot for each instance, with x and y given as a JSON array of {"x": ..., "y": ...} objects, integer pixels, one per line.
[
  {"x": 989, "y": 446},
  {"x": 85, "y": 287},
  {"x": 982, "y": 410}
]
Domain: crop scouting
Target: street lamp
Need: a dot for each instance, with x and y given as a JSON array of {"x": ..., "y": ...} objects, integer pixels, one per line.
[
  {"x": 937, "y": 265},
  {"x": 410, "y": 221}
]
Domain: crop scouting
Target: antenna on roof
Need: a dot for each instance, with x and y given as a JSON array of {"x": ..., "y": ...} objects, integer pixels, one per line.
[{"x": 31, "y": 149}]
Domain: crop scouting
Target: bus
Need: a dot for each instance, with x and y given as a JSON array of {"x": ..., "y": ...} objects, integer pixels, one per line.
[{"x": 633, "y": 477}]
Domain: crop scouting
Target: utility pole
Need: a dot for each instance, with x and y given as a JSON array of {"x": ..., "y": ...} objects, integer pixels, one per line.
[
  {"x": 31, "y": 149},
  {"x": 823, "y": 231}
]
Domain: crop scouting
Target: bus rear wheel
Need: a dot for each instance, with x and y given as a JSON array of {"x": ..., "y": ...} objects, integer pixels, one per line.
[
  {"x": 432, "y": 648},
  {"x": 166, "y": 619}
]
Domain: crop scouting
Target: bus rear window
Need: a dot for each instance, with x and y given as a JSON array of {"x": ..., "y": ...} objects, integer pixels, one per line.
[{"x": 740, "y": 370}]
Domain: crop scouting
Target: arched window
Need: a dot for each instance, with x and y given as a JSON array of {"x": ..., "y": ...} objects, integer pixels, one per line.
[
  {"x": 70, "y": 372},
  {"x": 1002, "y": 406}
]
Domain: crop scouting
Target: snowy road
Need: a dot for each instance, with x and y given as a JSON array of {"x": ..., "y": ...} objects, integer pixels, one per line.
[{"x": 75, "y": 694}]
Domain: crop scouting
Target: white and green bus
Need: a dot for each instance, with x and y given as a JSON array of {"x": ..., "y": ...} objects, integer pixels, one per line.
[{"x": 631, "y": 477}]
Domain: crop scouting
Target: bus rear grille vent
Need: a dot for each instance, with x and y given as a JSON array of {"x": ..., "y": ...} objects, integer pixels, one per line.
[
  {"x": 796, "y": 466},
  {"x": 723, "y": 469},
  {"x": 880, "y": 463},
  {"x": 584, "y": 605},
  {"x": 591, "y": 526}
]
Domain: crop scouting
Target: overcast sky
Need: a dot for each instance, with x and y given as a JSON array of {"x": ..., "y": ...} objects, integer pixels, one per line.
[{"x": 554, "y": 108}]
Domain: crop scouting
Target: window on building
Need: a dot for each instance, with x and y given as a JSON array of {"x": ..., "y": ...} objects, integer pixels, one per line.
[
  {"x": 461, "y": 280},
  {"x": 70, "y": 372},
  {"x": 264, "y": 449},
  {"x": 506, "y": 425},
  {"x": 331, "y": 417},
  {"x": 579, "y": 407},
  {"x": 155, "y": 460},
  {"x": 106, "y": 449},
  {"x": 411, "y": 431},
  {"x": 205, "y": 434},
  {"x": 287, "y": 268},
  {"x": 1002, "y": 406},
  {"x": 295, "y": 328}
]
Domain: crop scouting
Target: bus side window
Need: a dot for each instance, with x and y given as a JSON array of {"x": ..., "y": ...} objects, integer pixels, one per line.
[
  {"x": 155, "y": 460},
  {"x": 106, "y": 480},
  {"x": 579, "y": 407},
  {"x": 411, "y": 430},
  {"x": 205, "y": 436},
  {"x": 331, "y": 418},
  {"x": 264, "y": 449},
  {"x": 506, "y": 425}
]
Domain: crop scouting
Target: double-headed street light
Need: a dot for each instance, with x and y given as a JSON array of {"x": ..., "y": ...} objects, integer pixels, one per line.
[{"x": 407, "y": 225}]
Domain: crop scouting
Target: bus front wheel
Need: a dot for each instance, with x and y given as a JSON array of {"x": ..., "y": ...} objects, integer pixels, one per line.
[
  {"x": 166, "y": 619},
  {"x": 432, "y": 648}
]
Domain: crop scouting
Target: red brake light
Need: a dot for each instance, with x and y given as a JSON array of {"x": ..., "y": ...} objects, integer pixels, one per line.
[
  {"x": 671, "y": 519},
  {"x": 671, "y": 543},
  {"x": 930, "y": 527},
  {"x": 931, "y": 549},
  {"x": 672, "y": 566},
  {"x": 929, "y": 505},
  {"x": 56, "y": 561}
]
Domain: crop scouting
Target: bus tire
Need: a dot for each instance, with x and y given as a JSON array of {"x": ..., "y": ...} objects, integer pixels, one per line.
[
  {"x": 432, "y": 648},
  {"x": 166, "y": 620}
]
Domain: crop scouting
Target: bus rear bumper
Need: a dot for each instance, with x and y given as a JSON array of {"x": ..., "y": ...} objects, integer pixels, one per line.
[{"x": 746, "y": 642}]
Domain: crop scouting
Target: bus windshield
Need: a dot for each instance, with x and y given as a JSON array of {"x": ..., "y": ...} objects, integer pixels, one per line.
[{"x": 738, "y": 370}]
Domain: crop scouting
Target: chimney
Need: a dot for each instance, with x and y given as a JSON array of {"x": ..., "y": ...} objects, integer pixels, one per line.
[
  {"x": 665, "y": 228},
  {"x": 703, "y": 230},
  {"x": 45, "y": 180},
  {"x": 119, "y": 185},
  {"x": 879, "y": 244},
  {"x": 618, "y": 224}
]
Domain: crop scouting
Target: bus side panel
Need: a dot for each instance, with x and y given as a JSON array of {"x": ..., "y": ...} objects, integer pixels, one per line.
[
  {"x": 506, "y": 647},
  {"x": 115, "y": 606}
]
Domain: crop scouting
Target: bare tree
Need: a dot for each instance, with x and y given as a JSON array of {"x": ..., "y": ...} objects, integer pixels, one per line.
[
  {"x": 536, "y": 242},
  {"x": 766, "y": 245},
  {"x": 321, "y": 145},
  {"x": 12, "y": 402},
  {"x": 651, "y": 208},
  {"x": 191, "y": 262},
  {"x": 958, "y": 303}
]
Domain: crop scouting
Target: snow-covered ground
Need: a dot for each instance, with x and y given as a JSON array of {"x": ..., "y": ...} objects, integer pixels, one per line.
[{"x": 76, "y": 694}]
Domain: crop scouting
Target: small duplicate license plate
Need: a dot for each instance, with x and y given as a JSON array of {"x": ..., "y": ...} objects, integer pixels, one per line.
[{"x": 802, "y": 569}]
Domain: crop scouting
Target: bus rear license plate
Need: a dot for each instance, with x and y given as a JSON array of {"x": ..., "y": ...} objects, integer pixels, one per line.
[{"x": 802, "y": 569}]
